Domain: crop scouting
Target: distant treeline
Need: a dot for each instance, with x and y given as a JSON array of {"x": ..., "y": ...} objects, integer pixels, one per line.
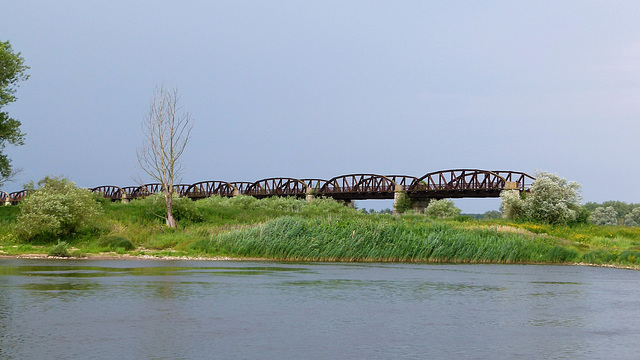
[{"x": 614, "y": 213}]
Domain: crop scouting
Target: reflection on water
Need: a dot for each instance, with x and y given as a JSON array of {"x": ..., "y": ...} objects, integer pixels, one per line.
[{"x": 243, "y": 310}]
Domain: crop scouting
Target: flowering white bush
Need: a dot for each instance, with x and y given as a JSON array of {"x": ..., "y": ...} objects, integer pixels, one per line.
[
  {"x": 442, "y": 209},
  {"x": 551, "y": 200},
  {"x": 56, "y": 208},
  {"x": 604, "y": 216},
  {"x": 512, "y": 204}
]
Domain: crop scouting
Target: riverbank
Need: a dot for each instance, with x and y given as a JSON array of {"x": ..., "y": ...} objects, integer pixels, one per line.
[
  {"x": 115, "y": 256},
  {"x": 323, "y": 231}
]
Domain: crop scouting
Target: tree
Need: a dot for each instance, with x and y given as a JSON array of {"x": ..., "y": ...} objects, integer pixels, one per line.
[
  {"x": 551, "y": 199},
  {"x": 492, "y": 214},
  {"x": 12, "y": 70},
  {"x": 604, "y": 216},
  {"x": 56, "y": 208},
  {"x": 167, "y": 132},
  {"x": 443, "y": 208},
  {"x": 633, "y": 218}
]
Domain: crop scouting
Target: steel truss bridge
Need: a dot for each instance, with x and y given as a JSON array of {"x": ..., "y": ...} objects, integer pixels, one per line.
[{"x": 459, "y": 183}]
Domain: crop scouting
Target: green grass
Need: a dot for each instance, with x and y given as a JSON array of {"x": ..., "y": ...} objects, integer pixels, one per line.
[{"x": 325, "y": 230}]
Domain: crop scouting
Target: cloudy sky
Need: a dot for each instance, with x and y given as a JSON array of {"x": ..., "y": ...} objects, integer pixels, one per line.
[{"x": 325, "y": 88}]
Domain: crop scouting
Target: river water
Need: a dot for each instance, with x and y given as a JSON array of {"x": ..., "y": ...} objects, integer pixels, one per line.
[{"x": 117, "y": 309}]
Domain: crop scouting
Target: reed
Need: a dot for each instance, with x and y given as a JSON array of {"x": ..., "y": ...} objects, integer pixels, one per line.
[{"x": 380, "y": 239}]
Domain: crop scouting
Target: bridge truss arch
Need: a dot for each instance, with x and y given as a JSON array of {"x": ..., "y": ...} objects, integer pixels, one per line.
[
  {"x": 17, "y": 196},
  {"x": 403, "y": 181},
  {"x": 458, "y": 183},
  {"x": 204, "y": 189},
  {"x": 359, "y": 187},
  {"x": 277, "y": 187},
  {"x": 111, "y": 192},
  {"x": 242, "y": 186},
  {"x": 314, "y": 185}
]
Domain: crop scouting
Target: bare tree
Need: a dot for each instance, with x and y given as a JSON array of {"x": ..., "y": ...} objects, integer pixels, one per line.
[{"x": 167, "y": 131}]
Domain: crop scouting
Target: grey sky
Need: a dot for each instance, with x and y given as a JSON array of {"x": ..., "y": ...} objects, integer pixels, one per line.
[{"x": 325, "y": 88}]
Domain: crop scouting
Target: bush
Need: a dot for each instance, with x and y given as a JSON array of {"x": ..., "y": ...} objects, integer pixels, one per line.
[
  {"x": 444, "y": 208},
  {"x": 115, "y": 242},
  {"x": 284, "y": 204},
  {"x": 183, "y": 208},
  {"x": 61, "y": 249},
  {"x": 324, "y": 205},
  {"x": 403, "y": 203},
  {"x": 551, "y": 200},
  {"x": 57, "y": 208}
]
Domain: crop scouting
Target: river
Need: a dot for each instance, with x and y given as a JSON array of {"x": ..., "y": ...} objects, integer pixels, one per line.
[{"x": 117, "y": 309}]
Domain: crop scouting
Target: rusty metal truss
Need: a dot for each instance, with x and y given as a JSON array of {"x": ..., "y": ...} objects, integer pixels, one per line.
[
  {"x": 17, "y": 196},
  {"x": 277, "y": 187},
  {"x": 204, "y": 189},
  {"x": 109, "y": 191},
  {"x": 359, "y": 186}
]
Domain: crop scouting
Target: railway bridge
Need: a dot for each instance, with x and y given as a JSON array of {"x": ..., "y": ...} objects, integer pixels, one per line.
[{"x": 458, "y": 183}]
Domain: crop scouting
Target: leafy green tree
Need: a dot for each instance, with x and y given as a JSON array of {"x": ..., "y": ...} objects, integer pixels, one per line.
[
  {"x": 604, "y": 216},
  {"x": 55, "y": 209},
  {"x": 633, "y": 218},
  {"x": 622, "y": 208},
  {"x": 12, "y": 70},
  {"x": 492, "y": 214},
  {"x": 443, "y": 208},
  {"x": 551, "y": 200}
]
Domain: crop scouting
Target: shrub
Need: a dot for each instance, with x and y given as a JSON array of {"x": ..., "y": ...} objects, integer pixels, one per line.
[
  {"x": 115, "y": 242},
  {"x": 242, "y": 201},
  {"x": 551, "y": 200},
  {"x": 57, "y": 208},
  {"x": 276, "y": 203},
  {"x": 444, "y": 208},
  {"x": 61, "y": 249},
  {"x": 512, "y": 204},
  {"x": 325, "y": 205},
  {"x": 183, "y": 208},
  {"x": 403, "y": 203}
]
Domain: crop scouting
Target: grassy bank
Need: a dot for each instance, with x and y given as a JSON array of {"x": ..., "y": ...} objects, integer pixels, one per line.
[{"x": 323, "y": 230}]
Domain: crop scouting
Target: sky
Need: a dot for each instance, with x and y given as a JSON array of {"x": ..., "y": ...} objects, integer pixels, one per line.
[{"x": 317, "y": 89}]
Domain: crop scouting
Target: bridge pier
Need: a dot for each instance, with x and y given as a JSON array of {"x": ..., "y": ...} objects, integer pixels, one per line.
[
  {"x": 399, "y": 197},
  {"x": 124, "y": 199},
  {"x": 419, "y": 205}
]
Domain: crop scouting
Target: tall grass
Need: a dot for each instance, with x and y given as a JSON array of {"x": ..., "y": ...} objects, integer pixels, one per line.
[{"x": 379, "y": 239}]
